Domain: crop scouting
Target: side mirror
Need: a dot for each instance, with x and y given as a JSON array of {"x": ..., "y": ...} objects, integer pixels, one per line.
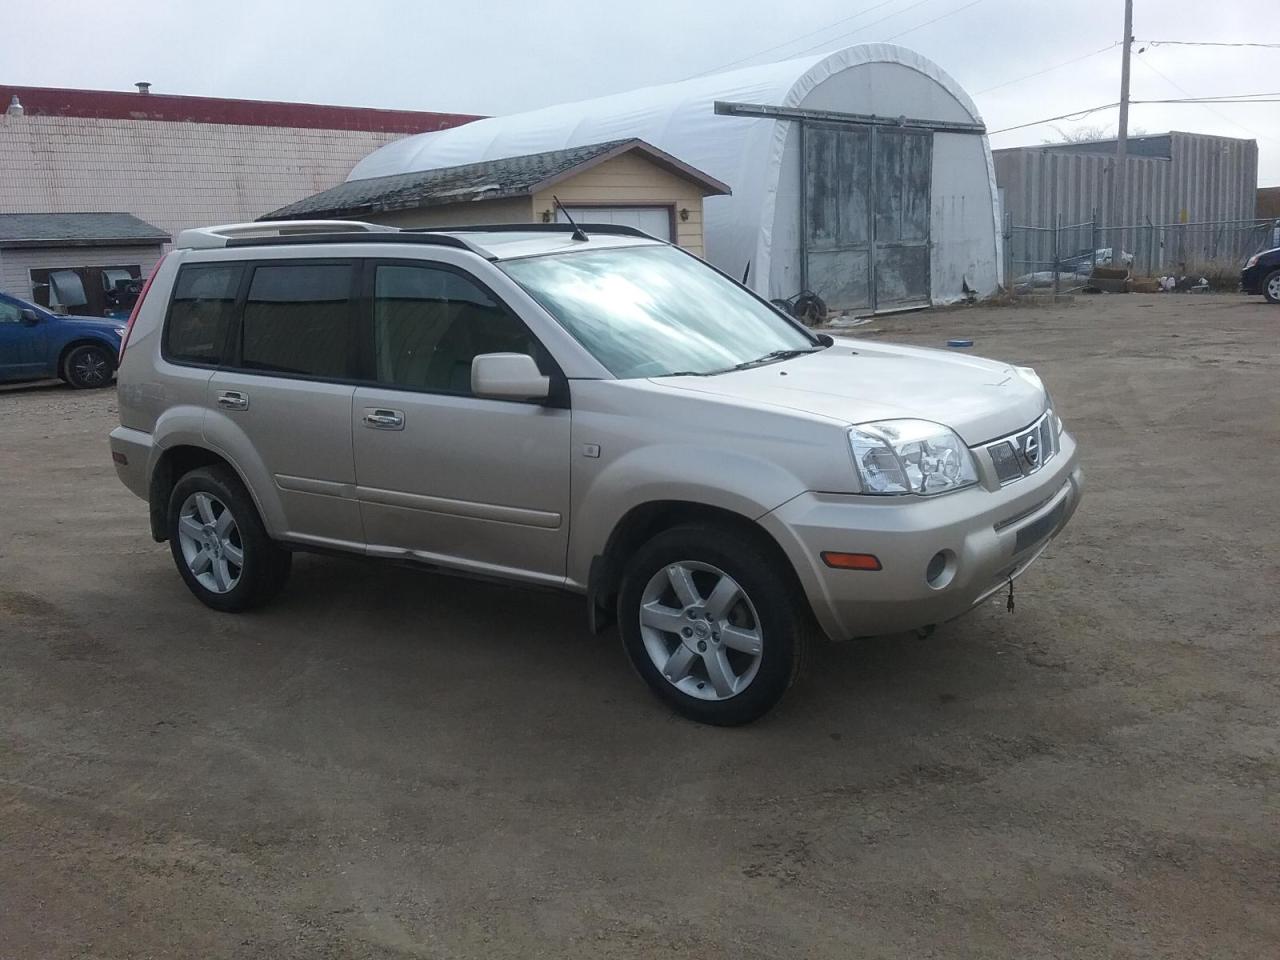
[
  {"x": 508, "y": 376},
  {"x": 30, "y": 317},
  {"x": 826, "y": 339}
]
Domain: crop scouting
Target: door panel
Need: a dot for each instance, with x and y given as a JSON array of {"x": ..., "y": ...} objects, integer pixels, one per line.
[
  {"x": 444, "y": 475},
  {"x": 837, "y": 202},
  {"x": 281, "y": 401},
  {"x": 481, "y": 483},
  {"x": 22, "y": 347},
  {"x": 301, "y": 431},
  {"x": 903, "y": 170}
]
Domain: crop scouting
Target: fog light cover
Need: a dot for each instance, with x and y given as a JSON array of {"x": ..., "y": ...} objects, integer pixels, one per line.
[{"x": 896, "y": 457}]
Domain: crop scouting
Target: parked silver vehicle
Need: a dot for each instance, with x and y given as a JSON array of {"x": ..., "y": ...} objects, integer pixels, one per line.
[{"x": 605, "y": 414}]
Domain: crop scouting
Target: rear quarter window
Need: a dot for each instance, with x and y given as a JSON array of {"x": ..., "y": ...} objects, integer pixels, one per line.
[
  {"x": 298, "y": 319},
  {"x": 202, "y": 312}
]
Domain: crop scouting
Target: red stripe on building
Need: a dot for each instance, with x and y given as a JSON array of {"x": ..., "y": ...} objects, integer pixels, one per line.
[{"x": 115, "y": 105}]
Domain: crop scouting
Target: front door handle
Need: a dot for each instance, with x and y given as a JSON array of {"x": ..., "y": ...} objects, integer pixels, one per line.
[
  {"x": 233, "y": 400},
  {"x": 379, "y": 418}
]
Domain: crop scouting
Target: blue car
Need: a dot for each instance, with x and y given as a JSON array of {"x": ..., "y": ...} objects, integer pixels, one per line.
[{"x": 36, "y": 345}]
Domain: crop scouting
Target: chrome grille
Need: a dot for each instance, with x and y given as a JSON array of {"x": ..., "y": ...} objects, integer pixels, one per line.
[{"x": 1024, "y": 452}]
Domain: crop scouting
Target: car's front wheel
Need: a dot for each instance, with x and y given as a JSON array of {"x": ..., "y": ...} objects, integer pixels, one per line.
[
  {"x": 1271, "y": 286},
  {"x": 219, "y": 544},
  {"x": 88, "y": 366},
  {"x": 712, "y": 623}
]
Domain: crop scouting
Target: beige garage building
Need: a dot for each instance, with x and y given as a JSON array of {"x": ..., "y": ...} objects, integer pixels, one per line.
[{"x": 621, "y": 181}]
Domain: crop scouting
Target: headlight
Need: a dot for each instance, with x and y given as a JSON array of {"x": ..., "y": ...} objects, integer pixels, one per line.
[
  {"x": 897, "y": 457},
  {"x": 1248, "y": 264}
]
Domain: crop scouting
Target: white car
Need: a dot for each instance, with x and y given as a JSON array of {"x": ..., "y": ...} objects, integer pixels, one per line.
[{"x": 599, "y": 412}]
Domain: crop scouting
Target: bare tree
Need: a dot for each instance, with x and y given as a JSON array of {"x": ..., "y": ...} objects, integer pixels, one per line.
[{"x": 1090, "y": 133}]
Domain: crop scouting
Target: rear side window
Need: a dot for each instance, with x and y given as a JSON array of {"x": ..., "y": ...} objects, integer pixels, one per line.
[
  {"x": 298, "y": 319},
  {"x": 202, "y": 312},
  {"x": 429, "y": 323}
]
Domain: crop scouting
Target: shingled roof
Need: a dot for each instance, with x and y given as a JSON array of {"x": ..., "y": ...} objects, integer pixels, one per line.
[
  {"x": 77, "y": 230},
  {"x": 490, "y": 180}
]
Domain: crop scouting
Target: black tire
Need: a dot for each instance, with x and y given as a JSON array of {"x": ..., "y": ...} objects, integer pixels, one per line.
[
  {"x": 265, "y": 567},
  {"x": 1271, "y": 286},
  {"x": 775, "y": 601},
  {"x": 88, "y": 367}
]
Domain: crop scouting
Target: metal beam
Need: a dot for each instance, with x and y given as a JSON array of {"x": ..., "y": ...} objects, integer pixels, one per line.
[{"x": 732, "y": 109}]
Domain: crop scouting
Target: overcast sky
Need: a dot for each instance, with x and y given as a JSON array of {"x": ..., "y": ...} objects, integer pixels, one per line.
[{"x": 500, "y": 56}]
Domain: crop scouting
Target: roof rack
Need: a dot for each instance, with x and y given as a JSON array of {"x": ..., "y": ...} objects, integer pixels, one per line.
[
  {"x": 605, "y": 228},
  {"x": 236, "y": 234}
]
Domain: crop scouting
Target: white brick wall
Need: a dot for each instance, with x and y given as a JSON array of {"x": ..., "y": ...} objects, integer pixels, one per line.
[{"x": 173, "y": 175}]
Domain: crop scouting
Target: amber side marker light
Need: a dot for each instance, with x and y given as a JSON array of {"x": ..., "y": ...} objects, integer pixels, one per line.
[{"x": 851, "y": 561}]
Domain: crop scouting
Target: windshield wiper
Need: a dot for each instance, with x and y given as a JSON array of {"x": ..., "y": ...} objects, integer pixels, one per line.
[{"x": 774, "y": 355}]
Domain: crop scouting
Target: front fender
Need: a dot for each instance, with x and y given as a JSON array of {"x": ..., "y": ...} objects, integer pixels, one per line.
[{"x": 742, "y": 484}]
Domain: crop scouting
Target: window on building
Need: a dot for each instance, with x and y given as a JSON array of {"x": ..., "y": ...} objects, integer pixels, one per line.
[
  {"x": 202, "y": 312},
  {"x": 91, "y": 291},
  {"x": 298, "y": 319},
  {"x": 430, "y": 323}
]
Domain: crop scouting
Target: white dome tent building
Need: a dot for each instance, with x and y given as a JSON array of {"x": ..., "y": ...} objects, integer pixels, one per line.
[{"x": 863, "y": 175}]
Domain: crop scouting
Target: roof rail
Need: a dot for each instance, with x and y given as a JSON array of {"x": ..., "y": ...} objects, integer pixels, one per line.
[
  {"x": 604, "y": 228},
  {"x": 204, "y": 238}
]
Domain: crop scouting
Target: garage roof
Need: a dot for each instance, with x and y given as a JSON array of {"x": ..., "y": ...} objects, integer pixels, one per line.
[
  {"x": 77, "y": 230},
  {"x": 489, "y": 180}
]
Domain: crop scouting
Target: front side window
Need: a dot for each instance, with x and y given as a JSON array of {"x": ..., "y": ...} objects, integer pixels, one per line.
[
  {"x": 651, "y": 311},
  {"x": 429, "y": 323},
  {"x": 10, "y": 312},
  {"x": 298, "y": 319},
  {"x": 203, "y": 309}
]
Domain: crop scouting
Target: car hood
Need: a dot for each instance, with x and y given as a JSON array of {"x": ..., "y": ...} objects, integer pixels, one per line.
[
  {"x": 856, "y": 382},
  {"x": 100, "y": 323}
]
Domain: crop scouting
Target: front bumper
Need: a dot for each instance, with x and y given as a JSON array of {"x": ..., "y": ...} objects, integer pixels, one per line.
[
  {"x": 988, "y": 536},
  {"x": 1251, "y": 280}
]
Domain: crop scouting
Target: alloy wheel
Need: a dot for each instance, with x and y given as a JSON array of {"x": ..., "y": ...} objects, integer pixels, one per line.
[
  {"x": 701, "y": 630},
  {"x": 210, "y": 542},
  {"x": 90, "y": 368}
]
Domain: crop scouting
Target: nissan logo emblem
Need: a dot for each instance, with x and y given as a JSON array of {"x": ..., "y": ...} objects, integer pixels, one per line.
[{"x": 1031, "y": 449}]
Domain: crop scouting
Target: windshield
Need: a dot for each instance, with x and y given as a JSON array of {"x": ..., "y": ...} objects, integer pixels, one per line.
[{"x": 655, "y": 311}]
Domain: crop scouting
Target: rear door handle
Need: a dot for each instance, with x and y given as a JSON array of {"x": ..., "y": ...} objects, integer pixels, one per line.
[
  {"x": 378, "y": 418},
  {"x": 233, "y": 400}
]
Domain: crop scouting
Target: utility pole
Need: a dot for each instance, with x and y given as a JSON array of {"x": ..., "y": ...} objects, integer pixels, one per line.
[{"x": 1120, "y": 178}]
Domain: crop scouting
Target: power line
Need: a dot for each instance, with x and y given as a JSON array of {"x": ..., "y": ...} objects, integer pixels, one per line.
[
  {"x": 1074, "y": 115},
  {"x": 1203, "y": 101},
  {"x": 1056, "y": 66},
  {"x": 865, "y": 26},
  {"x": 972, "y": 3},
  {"x": 806, "y": 36},
  {"x": 1205, "y": 43},
  {"x": 1221, "y": 116}
]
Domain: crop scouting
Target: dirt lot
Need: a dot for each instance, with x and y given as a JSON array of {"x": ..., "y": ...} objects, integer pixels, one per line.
[{"x": 391, "y": 764}]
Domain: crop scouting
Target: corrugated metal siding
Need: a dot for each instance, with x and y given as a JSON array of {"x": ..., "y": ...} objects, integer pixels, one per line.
[{"x": 1205, "y": 178}]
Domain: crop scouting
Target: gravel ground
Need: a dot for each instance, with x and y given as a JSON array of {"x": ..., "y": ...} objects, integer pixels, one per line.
[{"x": 391, "y": 764}]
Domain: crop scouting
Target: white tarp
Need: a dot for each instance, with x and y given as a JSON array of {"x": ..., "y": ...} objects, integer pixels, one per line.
[{"x": 759, "y": 158}]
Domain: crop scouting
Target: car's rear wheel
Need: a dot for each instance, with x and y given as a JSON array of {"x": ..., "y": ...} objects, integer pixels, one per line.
[
  {"x": 88, "y": 367},
  {"x": 1271, "y": 286},
  {"x": 712, "y": 623},
  {"x": 219, "y": 544}
]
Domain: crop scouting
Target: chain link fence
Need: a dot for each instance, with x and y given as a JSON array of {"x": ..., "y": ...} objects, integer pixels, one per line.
[{"x": 1061, "y": 259}]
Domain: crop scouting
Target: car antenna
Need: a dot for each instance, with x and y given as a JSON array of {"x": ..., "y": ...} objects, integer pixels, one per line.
[{"x": 578, "y": 233}]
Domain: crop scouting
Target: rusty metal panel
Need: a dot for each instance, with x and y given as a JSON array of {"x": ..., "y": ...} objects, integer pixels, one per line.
[
  {"x": 903, "y": 172},
  {"x": 837, "y": 214}
]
